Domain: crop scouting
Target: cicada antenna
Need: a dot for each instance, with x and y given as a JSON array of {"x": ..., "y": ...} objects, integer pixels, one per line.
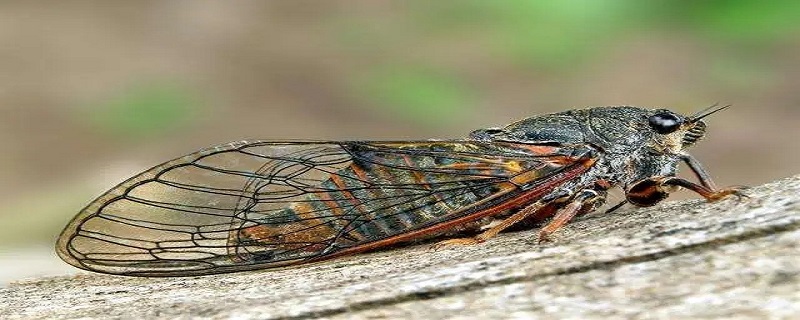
[{"x": 714, "y": 108}]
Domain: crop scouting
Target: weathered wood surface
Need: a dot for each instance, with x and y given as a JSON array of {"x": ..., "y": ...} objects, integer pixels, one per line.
[{"x": 734, "y": 258}]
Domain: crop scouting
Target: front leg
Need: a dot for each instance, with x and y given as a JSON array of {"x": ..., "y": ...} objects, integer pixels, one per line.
[{"x": 650, "y": 191}]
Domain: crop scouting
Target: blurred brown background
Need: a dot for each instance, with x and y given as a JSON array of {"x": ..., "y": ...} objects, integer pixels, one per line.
[{"x": 94, "y": 92}]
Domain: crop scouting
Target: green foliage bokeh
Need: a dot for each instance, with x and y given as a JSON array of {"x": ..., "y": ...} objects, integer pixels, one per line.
[{"x": 553, "y": 37}]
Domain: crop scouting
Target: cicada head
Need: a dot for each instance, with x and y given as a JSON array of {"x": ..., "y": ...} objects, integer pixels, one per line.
[{"x": 671, "y": 133}]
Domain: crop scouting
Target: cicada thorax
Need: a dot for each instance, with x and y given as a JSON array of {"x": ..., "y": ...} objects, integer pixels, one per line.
[{"x": 380, "y": 195}]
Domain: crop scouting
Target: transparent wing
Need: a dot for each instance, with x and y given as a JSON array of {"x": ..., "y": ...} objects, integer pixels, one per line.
[{"x": 252, "y": 205}]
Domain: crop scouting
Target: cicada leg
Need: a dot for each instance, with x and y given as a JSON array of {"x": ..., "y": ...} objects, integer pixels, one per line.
[
  {"x": 493, "y": 231},
  {"x": 652, "y": 190},
  {"x": 584, "y": 202}
]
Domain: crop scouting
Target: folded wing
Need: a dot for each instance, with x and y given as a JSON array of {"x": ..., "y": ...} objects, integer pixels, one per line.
[{"x": 260, "y": 204}]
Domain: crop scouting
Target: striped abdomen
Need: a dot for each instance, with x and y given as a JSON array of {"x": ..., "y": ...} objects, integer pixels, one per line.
[{"x": 380, "y": 195}]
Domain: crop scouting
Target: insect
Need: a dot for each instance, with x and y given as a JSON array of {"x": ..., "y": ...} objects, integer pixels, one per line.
[{"x": 264, "y": 204}]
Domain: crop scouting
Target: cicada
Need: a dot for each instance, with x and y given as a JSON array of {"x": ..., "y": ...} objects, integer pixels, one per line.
[{"x": 264, "y": 204}]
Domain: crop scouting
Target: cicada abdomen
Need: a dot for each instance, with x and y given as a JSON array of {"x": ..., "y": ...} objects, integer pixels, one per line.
[{"x": 385, "y": 191}]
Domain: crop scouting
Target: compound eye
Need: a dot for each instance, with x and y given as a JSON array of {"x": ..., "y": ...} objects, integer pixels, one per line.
[{"x": 665, "y": 122}]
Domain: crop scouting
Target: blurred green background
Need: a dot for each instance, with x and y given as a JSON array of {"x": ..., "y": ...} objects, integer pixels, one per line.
[{"x": 94, "y": 92}]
